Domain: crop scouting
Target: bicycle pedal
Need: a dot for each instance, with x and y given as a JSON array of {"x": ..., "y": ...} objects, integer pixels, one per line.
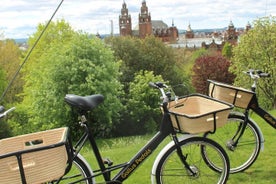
[{"x": 107, "y": 161}]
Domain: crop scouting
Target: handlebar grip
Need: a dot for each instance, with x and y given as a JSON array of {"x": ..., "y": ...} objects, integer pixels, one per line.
[
  {"x": 264, "y": 75},
  {"x": 158, "y": 85},
  {"x": 258, "y": 73},
  {"x": 153, "y": 85},
  {"x": 6, "y": 112}
]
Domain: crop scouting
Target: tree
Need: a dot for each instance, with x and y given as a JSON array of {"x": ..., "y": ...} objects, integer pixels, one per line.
[
  {"x": 10, "y": 57},
  {"x": 144, "y": 54},
  {"x": 3, "y": 82},
  {"x": 256, "y": 50},
  {"x": 70, "y": 63},
  {"x": 227, "y": 50},
  {"x": 142, "y": 114},
  {"x": 210, "y": 67}
]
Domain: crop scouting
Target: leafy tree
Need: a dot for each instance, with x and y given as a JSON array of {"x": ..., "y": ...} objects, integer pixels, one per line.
[
  {"x": 3, "y": 82},
  {"x": 10, "y": 56},
  {"x": 67, "y": 62},
  {"x": 256, "y": 50},
  {"x": 9, "y": 64},
  {"x": 142, "y": 113},
  {"x": 227, "y": 50},
  {"x": 210, "y": 67},
  {"x": 144, "y": 54}
]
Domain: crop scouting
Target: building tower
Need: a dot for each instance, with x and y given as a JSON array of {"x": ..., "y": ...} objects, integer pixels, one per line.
[
  {"x": 145, "y": 25},
  {"x": 247, "y": 27},
  {"x": 232, "y": 35},
  {"x": 173, "y": 33},
  {"x": 125, "y": 21},
  {"x": 189, "y": 32}
]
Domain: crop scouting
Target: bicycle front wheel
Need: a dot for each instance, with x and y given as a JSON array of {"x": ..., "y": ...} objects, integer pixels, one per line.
[
  {"x": 79, "y": 173},
  {"x": 242, "y": 152},
  {"x": 171, "y": 170}
]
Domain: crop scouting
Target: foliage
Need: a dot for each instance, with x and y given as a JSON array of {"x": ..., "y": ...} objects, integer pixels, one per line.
[
  {"x": 10, "y": 56},
  {"x": 144, "y": 54},
  {"x": 9, "y": 64},
  {"x": 5, "y": 130},
  {"x": 210, "y": 67},
  {"x": 151, "y": 55},
  {"x": 67, "y": 62},
  {"x": 3, "y": 81},
  {"x": 227, "y": 50},
  {"x": 257, "y": 50},
  {"x": 142, "y": 113}
]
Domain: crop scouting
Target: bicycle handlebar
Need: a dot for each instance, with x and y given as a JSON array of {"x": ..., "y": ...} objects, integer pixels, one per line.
[
  {"x": 161, "y": 86},
  {"x": 255, "y": 74},
  {"x": 5, "y": 112}
]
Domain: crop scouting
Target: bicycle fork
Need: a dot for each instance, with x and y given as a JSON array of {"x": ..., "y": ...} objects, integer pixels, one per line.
[
  {"x": 191, "y": 170},
  {"x": 232, "y": 144}
]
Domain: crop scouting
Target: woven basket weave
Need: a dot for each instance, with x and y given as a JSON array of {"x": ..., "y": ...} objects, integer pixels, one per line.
[
  {"x": 198, "y": 113},
  {"x": 43, "y": 154},
  {"x": 237, "y": 96}
]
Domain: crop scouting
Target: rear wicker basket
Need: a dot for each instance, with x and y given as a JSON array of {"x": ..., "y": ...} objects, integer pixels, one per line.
[
  {"x": 34, "y": 158},
  {"x": 237, "y": 96},
  {"x": 198, "y": 113}
]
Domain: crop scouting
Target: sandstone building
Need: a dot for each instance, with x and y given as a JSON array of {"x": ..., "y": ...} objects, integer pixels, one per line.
[{"x": 146, "y": 26}]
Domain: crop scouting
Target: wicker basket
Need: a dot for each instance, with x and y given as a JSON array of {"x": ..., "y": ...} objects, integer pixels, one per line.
[
  {"x": 237, "y": 96},
  {"x": 36, "y": 158},
  {"x": 198, "y": 113}
]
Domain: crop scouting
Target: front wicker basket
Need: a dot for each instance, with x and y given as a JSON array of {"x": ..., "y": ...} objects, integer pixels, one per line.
[
  {"x": 40, "y": 157},
  {"x": 237, "y": 96},
  {"x": 198, "y": 114}
]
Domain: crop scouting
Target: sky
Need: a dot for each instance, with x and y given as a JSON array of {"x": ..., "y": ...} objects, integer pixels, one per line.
[{"x": 19, "y": 18}]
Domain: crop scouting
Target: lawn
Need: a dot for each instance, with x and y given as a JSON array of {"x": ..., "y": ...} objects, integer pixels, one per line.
[{"x": 120, "y": 150}]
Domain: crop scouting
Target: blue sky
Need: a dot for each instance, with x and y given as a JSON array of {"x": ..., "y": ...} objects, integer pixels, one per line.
[{"x": 19, "y": 18}]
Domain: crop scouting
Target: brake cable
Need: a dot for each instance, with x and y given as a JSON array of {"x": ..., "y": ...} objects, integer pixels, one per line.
[{"x": 30, "y": 51}]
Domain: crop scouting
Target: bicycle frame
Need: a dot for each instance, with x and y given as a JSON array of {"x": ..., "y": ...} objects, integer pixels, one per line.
[
  {"x": 126, "y": 169},
  {"x": 254, "y": 105}
]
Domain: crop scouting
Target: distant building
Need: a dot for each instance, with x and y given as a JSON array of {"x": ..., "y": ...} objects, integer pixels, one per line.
[
  {"x": 231, "y": 34},
  {"x": 213, "y": 45},
  {"x": 125, "y": 21},
  {"x": 247, "y": 27},
  {"x": 189, "y": 32},
  {"x": 146, "y": 25}
]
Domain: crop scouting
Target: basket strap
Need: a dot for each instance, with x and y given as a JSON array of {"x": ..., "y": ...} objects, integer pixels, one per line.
[
  {"x": 177, "y": 122},
  {"x": 214, "y": 122},
  {"x": 21, "y": 168},
  {"x": 235, "y": 97}
]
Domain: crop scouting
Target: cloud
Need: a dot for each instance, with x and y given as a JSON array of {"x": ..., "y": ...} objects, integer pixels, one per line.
[{"x": 19, "y": 18}]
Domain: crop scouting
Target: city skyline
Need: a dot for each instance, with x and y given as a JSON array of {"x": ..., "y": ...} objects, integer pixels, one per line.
[{"x": 19, "y": 18}]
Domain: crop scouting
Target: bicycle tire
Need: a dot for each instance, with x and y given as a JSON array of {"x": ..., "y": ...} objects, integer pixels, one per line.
[
  {"x": 245, "y": 153},
  {"x": 170, "y": 169},
  {"x": 77, "y": 174}
]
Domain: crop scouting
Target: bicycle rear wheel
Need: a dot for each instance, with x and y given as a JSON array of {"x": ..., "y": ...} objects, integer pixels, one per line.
[
  {"x": 171, "y": 170},
  {"x": 244, "y": 154},
  {"x": 79, "y": 173}
]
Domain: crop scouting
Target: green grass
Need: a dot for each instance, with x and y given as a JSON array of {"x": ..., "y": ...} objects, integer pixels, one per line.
[{"x": 120, "y": 150}]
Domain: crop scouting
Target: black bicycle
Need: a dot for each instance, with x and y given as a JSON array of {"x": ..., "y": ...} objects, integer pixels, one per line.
[
  {"x": 180, "y": 161},
  {"x": 241, "y": 137}
]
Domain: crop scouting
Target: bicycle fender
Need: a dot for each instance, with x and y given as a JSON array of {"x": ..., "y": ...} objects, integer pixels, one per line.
[
  {"x": 163, "y": 151},
  {"x": 258, "y": 128},
  {"x": 86, "y": 163}
]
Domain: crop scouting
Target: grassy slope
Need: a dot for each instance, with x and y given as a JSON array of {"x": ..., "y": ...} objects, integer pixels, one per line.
[{"x": 122, "y": 149}]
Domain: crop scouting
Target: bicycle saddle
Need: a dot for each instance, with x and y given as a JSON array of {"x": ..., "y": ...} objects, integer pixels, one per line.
[{"x": 84, "y": 102}]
